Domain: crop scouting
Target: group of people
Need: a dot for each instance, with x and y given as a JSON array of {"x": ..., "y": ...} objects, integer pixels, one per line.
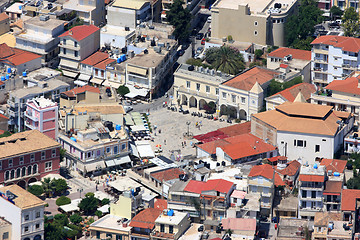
[{"x": 198, "y": 125}]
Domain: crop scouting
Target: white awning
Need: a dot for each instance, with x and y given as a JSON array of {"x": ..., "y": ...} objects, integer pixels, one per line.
[
  {"x": 111, "y": 84},
  {"x": 69, "y": 208},
  {"x": 110, "y": 163},
  {"x": 69, "y": 63},
  {"x": 145, "y": 151},
  {"x": 80, "y": 83},
  {"x": 95, "y": 166},
  {"x": 104, "y": 209},
  {"x": 69, "y": 74},
  {"x": 137, "y": 70},
  {"x": 134, "y": 92},
  {"x": 134, "y": 151},
  {"x": 84, "y": 77},
  {"x": 96, "y": 81},
  {"x": 138, "y": 128},
  {"x": 122, "y": 160}
]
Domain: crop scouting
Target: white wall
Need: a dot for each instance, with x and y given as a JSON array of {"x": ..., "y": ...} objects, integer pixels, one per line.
[
  {"x": 13, "y": 215},
  {"x": 201, "y": 153},
  {"x": 121, "y": 17},
  {"x": 108, "y": 38}
]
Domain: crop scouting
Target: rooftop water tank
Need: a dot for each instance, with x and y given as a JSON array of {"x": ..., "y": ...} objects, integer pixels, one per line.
[
  {"x": 123, "y": 57},
  {"x": 118, "y": 60},
  {"x": 72, "y": 138},
  {"x": 171, "y": 212},
  {"x": 118, "y": 127},
  {"x": 9, "y": 70},
  {"x": 315, "y": 166},
  {"x": 336, "y": 174},
  {"x": 24, "y": 74},
  {"x": 2, "y": 78},
  {"x": 7, "y": 76}
]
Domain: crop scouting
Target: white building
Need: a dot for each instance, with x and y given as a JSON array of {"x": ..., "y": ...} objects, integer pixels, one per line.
[
  {"x": 303, "y": 131},
  {"x": 311, "y": 188},
  {"x": 40, "y": 36},
  {"x": 24, "y": 211},
  {"x": 333, "y": 58},
  {"x": 91, "y": 11}
]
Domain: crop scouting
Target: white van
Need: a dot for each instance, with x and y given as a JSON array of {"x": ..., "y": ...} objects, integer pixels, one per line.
[{"x": 209, "y": 19}]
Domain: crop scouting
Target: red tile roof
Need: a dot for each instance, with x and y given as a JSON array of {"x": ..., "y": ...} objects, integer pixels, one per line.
[
  {"x": 145, "y": 219},
  {"x": 166, "y": 175},
  {"x": 14, "y": 56},
  {"x": 160, "y": 204},
  {"x": 278, "y": 180},
  {"x": 80, "y": 32},
  {"x": 348, "y": 199},
  {"x": 3, "y": 16},
  {"x": 291, "y": 169},
  {"x": 210, "y": 136},
  {"x": 219, "y": 185},
  {"x": 333, "y": 187},
  {"x": 335, "y": 165},
  {"x": 348, "y": 85},
  {"x": 350, "y": 44},
  {"x": 296, "y": 53},
  {"x": 236, "y": 129},
  {"x": 98, "y": 60},
  {"x": 2, "y": 116},
  {"x": 247, "y": 79},
  {"x": 264, "y": 170},
  {"x": 275, "y": 159},
  {"x": 290, "y": 93},
  {"x": 210, "y": 147},
  {"x": 75, "y": 91},
  {"x": 284, "y": 65},
  {"x": 1, "y": 83},
  {"x": 311, "y": 178}
]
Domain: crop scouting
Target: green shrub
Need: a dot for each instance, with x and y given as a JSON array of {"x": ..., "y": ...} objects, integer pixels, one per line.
[{"x": 63, "y": 201}]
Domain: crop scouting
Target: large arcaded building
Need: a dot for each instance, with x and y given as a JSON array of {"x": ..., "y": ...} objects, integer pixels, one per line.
[{"x": 258, "y": 21}]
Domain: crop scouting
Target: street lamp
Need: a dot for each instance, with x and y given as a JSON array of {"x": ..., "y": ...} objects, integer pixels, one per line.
[
  {"x": 188, "y": 124},
  {"x": 80, "y": 190}
]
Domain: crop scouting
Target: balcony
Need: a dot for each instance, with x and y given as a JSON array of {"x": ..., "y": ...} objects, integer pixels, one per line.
[
  {"x": 12, "y": 104},
  {"x": 12, "y": 113},
  {"x": 30, "y": 115},
  {"x": 351, "y": 67},
  {"x": 321, "y": 50},
  {"x": 321, "y": 60},
  {"x": 27, "y": 124},
  {"x": 70, "y": 46},
  {"x": 310, "y": 209},
  {"x": 321, "y": 70}
]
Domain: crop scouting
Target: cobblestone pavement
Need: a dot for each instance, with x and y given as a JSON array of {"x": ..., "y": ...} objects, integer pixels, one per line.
[{"x": 173, "y": 125}]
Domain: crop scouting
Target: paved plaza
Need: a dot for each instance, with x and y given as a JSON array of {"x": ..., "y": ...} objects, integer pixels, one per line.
[{"x": 173, "y": 126}]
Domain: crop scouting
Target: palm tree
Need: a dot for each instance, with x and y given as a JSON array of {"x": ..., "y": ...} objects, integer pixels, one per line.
[
  {"x": 226, "y": 59},
  {"x": 48, "y": 186}
]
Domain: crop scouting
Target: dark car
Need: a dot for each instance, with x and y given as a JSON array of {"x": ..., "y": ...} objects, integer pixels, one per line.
[
  {"x": 201, "y": 228},
  {"x": 181, "y": 52},
  {"x": 199, "y": 36},
  {"x": 334, "y": 25}
]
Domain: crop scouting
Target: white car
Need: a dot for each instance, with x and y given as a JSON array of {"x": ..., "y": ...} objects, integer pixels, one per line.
[{"x": 209, "y": 19}]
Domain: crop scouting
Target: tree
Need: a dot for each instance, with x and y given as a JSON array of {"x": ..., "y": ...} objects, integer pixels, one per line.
[
  {"x": 63, "y": 201},
  {"x": 48, "y": 187},
  {"x": 300, "y": 26},
  {"x": 258, "y": 53},
  {"x": 180, "y": 18},
  {"x": 350, "y": 22},
  {"x": 335, "y": 11},
  {"x": 62, "y": 154},
  {"x": 37, "y": 190},
  {"x": 75, "y": 218},
  {"x": 226, "y": 59},
  {"x": 123, "y": 90},
  {"x": 89, "y": 204},
  {"x": 53, "y": 231},
  {"x": 105, "y": 201},
  {"x": 60, "y": 186},
  {"x": 98, "y": 213},
  {"x": 62, "y": 219}
]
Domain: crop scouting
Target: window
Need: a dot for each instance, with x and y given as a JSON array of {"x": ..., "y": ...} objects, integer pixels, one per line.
[
  {"x": 242, "y": 100},
  {"x": 21, "y": 160},
  {"x": 89, "y": 154},
  {"x": 64, "y": 41},
  {"x": 37, "y": 214},
  {"x": 75, "y": 44},
  {"x": 35, "y": 168},
  {"x": 207, "y": 89},
  {"x": 224, "y": 95},
  {"x": 118, "y": 237},
  {"x": 0, "y": 164},
  {"x": 43, "y": 155},
  {"x": 48, "y": 166},
  {"x": 123, "y": 146},
  {"x": 97, "y": 235},
  {"x": 304, "y": 194},
  {"x": 171, "y": 229},
  {"x": 255, "y": 23},
  {"x": 299, "y": 143},
  {"x": 26, "y": 217},
  {"x": 255, "y": 33},
  {"x": 313, "y": 194},
  {"x": 5, "y": 236},
  {"x": 162, "y": 228},
  {"x": 10, "y": 162},
  {"x": 109, "y": 235},
  {"x": 198, "y": 87},
  {"x": 317, "y": 148},
  {"x": 98, "y": 152},
  {"x": 64, "y": 51},
  {"x": 7, "y": 175},
  {"x": 233, "y": 98},
  {"x": 217, "y": 91},
  {"x": 37, "y": 226},
  {"x": 32, "y": 157},
  {"x": 108, "y": 150},
  {"x": 53, "y": 153},
  {"x": 76, "y": 54},
  {"x": 188, "y": 84},
  {"x": 115, "y": 149}
]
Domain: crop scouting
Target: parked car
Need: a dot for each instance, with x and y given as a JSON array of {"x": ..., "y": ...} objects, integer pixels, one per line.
[
  {"x": 203, "y": 41},
  {"x": 181, "y": 52},
  {"x": 209, "y": 19},
  {"x": 201, "y": 228},
  {"x": 199, "y": 50},
  {"x": 199, "y": 36}
]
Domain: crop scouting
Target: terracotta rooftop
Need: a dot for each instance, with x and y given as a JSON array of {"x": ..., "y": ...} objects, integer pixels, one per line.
[
  {"x": 348, "y": 85},
  {"x": 75, "y": 91},
  {"x": 219, "y": 185},
  {"x": 14, "y": 56},
  {"x": 282, "y": 65},
  {"x": 301, "y": 117},
  {"x": 239, "y": 224},
  {"x": 247, "y": 79},
  {"x": 23, "y": 199},
  {"x": 350, "y": 44},
  {"x": 335, "y": 165},
  {"x": 323, "y": 218},
  {"x": 333, "y": 187},
  {"x": 290, "y": 93},
  {"x": 296, "y": 53},
  {"x": 210, "y": 147},
  {"x": 278, "y": 180},
  {"x": 166, "y": 175},
  {"x": 348, "y": 199},
  {"x": 98, "y": 60},
  {"x": 277, "y": 158},
  {"x": 2, "y": 116},
  {"x": 236, "y": 129},
  {"x": 311, "y": 178},
  {"x": 25, "y": 143},
  {"x": 80, "y": 32},
  {"x": 146, "y": 218},
  {"x": 264, "y": 170},
  {"x": 291, "y": 169},
  {"x": 160, "y": 204}
]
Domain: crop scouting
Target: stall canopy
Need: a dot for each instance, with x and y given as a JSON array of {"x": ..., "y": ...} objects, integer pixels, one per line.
[
  {"x": 138, "y": 128},
  {"x": 128, "y": 120},
  {"x": 107, "y": 83},
  {"x": 96, "y": 81},
  {"x": 104, "y": 209},
  {"x": 84, "y": 77},
  {"x": 94, "y": 166},
  {"x": 110, "y": 163},
  {"x": 122, "y": 160},
  {"x": 136, "y": 92},
  {"x": 144, "y": 149},
  {"x": 80, "y": 83},
  {"x": 70, "y": 74}
]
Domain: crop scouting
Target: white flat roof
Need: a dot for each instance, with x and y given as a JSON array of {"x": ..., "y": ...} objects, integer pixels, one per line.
[{"x": 172, "y": 220}]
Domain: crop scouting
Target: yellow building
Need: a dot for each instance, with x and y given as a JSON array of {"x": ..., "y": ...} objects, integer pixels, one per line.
[{"x": 5, "y": 229}]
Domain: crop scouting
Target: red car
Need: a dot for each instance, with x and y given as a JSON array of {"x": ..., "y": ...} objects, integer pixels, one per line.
[{"x": 203, "y": 41}]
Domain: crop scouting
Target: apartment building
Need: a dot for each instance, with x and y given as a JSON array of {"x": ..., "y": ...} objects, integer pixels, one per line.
[
  {"x": 197, "y": 88},
  {"x": 170, "y": 225},
  {"x": 302, "y": 131},
  {"x": 333, "y": 58},
  {"x": 261, "y": 181},
  {"x": 5, "y": 229},
  {"x": 298, "y": 93},
  {"x": 342, "y": 4},
  {"x": 329, "y": 225},
  {"x": 4, "y": 23},
  {"x": 81, "y": 95},
  {"x": 263, "y": 22},
  {"x": 14, "y": 11},
  {"x": 77, "y": 44},
  {"x": 343, "y": 95},
  {"x": 42, "y": 114},
  {"x": 40, "y": 36},
  {"x": 143, "y": 223},
  {"x": 243, "y": 95},
  {"x": 293, "y": 62},
  {"x": 91, "y": 11},
  {"x": 25, "y": 212},
  {"x": 110, "y": 227},
  {"x": 311, "y": 188}
]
